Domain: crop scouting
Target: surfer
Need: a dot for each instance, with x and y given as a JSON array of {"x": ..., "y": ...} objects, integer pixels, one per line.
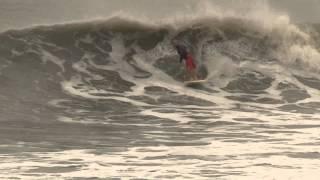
[{"x": 189, "y": 61}]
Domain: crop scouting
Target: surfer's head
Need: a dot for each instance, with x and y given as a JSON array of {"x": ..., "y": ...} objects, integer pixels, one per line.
[{"x": 175, "y": 42}]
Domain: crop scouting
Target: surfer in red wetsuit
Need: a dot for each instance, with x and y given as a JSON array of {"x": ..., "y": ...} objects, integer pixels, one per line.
[{"x": 189, "y": 61}]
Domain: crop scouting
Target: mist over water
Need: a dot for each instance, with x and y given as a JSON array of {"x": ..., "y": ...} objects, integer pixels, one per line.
[
  {"x": 25, "y": 13},
  {"x": 103, "y": 97}
]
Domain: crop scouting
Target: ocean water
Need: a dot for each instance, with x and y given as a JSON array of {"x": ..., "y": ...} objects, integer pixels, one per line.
[{"x": 105, "y": 99}]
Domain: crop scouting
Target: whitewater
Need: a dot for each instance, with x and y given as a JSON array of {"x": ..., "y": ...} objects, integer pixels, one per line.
[{"x": 105, "y": 98}]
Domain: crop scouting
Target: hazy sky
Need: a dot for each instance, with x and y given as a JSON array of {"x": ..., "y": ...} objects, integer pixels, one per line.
[
  {"x": 23, "y": 13},
  {"x": 300, "y": 10}
]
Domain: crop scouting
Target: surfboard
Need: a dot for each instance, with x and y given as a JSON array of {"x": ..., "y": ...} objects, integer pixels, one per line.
[{"x": 195, "y": 82}]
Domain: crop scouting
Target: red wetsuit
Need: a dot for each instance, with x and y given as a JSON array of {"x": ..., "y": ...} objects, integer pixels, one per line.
[
  {"x": 190, "y": 63},
  {"x": 185, "y": 55}
]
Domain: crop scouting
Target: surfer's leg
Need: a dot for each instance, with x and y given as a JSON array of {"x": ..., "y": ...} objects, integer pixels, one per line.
[
  {"x": 192, "y": 69},
  {"x": 194, "y": 74},
  {"x": 190, "y": 72}
]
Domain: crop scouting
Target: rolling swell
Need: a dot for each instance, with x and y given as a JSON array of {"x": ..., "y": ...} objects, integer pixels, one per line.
[
  {"x": 37, "y": 61},
  {"x": 99, "y": 58},
  {"x": 61, "y": 52}
]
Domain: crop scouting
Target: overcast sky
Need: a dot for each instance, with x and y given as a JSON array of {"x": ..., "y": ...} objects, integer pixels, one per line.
[
  {"x": 23, "y": 13},
  {"x": 301, "y": 10}
]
